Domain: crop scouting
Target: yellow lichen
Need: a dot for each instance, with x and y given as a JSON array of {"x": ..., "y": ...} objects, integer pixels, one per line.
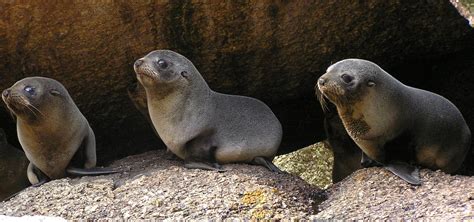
[
  {"x": 260, "y": 213},
  {"x": 313, "y": 164},
  {"x": 254, "y": 197}
]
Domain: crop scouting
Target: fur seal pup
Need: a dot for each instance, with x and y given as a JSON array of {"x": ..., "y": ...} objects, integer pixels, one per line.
[
  {"x": 203, "y": 127},
  {"x": 13, "y": 165},
  {"x": 54, "y": 134},
  {"x": 347, "y": 155},
  {"x": 394, "y": 124}
]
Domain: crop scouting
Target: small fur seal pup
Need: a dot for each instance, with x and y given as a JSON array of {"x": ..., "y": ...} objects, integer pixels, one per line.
[
  {"x": 55, "y": 136},
  {"x": 203, "y": 127},
  {"x": 398, "y": 126}
]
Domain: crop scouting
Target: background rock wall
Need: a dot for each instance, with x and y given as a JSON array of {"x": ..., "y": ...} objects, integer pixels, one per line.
[{"x": 271, "y": 50}]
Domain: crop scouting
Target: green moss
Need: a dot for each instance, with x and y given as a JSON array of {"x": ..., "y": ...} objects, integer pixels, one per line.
[{"x": 313, "y": 164}]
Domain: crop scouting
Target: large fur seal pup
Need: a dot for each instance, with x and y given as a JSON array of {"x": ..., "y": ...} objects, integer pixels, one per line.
[
  {"x": 203, "y": 127},
  {"x": 396, "y": 125},
  {"x": 54, "y": 134},
  {"x": 13, "y": 165}
]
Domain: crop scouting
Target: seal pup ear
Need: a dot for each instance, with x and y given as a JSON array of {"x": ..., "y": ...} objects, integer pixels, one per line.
[
  {"x": 54, "y": 92},
  {"x": 185, "y": 74}
]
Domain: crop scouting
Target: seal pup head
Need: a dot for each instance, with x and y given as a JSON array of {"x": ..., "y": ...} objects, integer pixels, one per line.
[
  {"x": 166, "y": 71},
  {"x": 357, "y": 88},
  {"x": 345, "y": 82},
  {"x": 30, "y": 98}
]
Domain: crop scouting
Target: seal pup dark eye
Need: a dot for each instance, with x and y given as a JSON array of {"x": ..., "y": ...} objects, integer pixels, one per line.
[
  {"x": 346, "y": 78},
  {"x": 162, "y": 64},
  {"x": 54, "y": 92},
  {"x": 30, "y": 90},
  {"x": 370, "y": 83}
]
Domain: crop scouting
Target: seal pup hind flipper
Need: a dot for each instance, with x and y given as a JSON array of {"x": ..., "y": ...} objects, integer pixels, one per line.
[{"x": 405, "y": 171}]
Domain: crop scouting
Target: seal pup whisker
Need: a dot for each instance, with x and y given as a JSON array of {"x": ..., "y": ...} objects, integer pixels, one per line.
[
  {"x": 22, "y": 101},
  {"x": 35, "y": 109},
  {"x": 321, "y": 98}
]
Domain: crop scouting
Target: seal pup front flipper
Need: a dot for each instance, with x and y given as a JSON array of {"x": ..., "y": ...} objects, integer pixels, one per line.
[
  {"x": 87, "y": 155},
  {"x": 405, "y": 171},
  {"x": 94, "y": 171},
  {"x": 200, "y": 154},
  {"x": 203, "y": 166},
  {"x": 36, "y": 176}
]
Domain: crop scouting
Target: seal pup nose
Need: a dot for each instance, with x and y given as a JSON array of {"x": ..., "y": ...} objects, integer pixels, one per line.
[
  {"x": 138, "y": 63},
  {"x": 6, "y": 92},
  {"x": 321, "y": 81}
]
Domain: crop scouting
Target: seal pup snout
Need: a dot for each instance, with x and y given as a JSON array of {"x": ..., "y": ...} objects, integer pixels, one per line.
[
  {"x": 6, "y": 93},
  {"x": 18, "y": 102},
  {"x": 138, "y": 63},
  {"x": 143, "y": 70},
  {"x": 321, "y": 81}
]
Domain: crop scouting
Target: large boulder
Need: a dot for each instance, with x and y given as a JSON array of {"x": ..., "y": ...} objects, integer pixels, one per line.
[
  {"x": 153, "y": 188},
  {"x": 272, "y": 50}
]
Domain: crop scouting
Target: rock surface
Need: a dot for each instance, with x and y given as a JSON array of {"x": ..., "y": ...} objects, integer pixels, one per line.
[
  {"x": 376, "y": 194},
  {"x": 152, "y": 187},
  {"x": 466, "y": 8},
  {"x": 31, "y": 219},
  {"x": 270, "y": 50}
]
